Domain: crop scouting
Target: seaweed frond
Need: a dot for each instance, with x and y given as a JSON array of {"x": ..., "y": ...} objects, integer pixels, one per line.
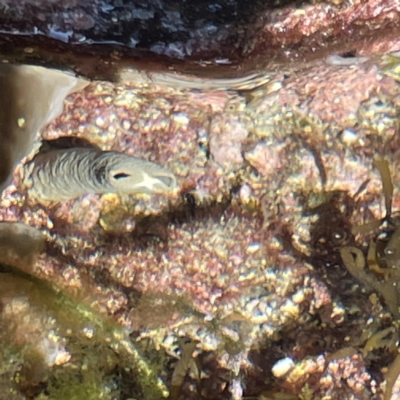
[
  {"x": 391, "y": 377},
  {"x": 354, "y": 260}
]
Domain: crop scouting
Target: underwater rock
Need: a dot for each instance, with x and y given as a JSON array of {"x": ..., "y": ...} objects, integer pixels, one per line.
[
  {"x": 275, "y": 170},
  {"x": 32, "y": 97},
  {"x": 20, "y": 245},
  {"x": 246, "y": 261},
  {"x": 215, "y": 37}
]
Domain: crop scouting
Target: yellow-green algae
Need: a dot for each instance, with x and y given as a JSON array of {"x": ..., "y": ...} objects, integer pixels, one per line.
[{"x": 94, "y": 356}]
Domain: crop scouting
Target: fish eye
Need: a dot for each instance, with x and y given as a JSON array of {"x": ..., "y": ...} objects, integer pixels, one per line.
[{"x": 121, "y": 175}]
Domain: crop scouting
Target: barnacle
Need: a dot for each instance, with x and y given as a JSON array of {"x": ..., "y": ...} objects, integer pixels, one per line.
[{"x": 69, "y": 173}]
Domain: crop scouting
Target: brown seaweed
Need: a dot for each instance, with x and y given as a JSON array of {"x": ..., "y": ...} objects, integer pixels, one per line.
[{"x": 383, "y": 274}]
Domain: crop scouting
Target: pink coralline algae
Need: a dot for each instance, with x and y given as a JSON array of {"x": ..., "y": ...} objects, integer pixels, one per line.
[{"x": 243, "y": 260}]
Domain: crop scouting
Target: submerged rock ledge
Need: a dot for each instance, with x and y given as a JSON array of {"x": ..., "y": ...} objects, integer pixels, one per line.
[{"x": 239, "y": 273}]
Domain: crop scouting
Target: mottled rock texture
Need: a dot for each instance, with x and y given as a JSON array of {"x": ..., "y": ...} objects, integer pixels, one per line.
[
  {"x": 213, "y": 37},
  {"x": 200, "y": 292}
]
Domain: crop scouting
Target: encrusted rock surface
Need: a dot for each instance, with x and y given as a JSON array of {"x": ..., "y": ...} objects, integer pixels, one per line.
[
  {"x": 234, "y": 285},
  {"x": 223, "y": 37},
  {"x": 245, "y": 259}
]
